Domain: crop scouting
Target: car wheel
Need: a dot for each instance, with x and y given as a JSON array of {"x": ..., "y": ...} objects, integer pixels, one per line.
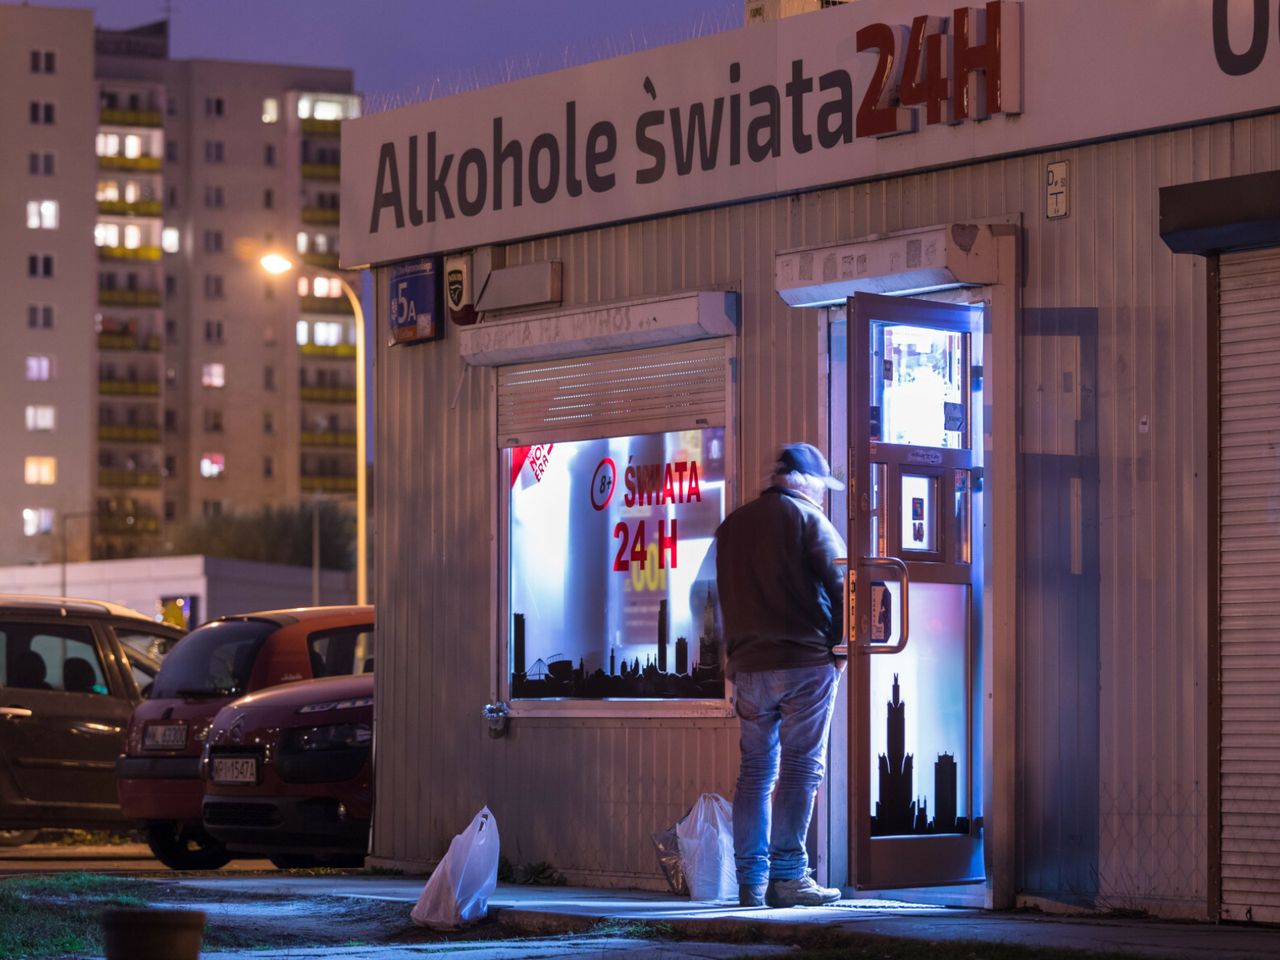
[
  {"x": 16, "y": 838},
  {"x": 180, "y": 849}
]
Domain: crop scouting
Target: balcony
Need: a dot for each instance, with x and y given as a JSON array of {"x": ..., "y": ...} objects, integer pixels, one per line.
[
  {"x": 320, "y": 215},
  {"x": 129, "y": 298},
  {"x": 312, "y": 483},
  {"x": 111, "y": 117},
  {"x": 118, "y": 433},
  {"x": 108, "y": 340},
  {"x": 325, "y": 305},
  {"x": 111, "y": 387},
  {"x": 130, "y": 253},
  {"x": 329, "y": 394},
  {"x": 123, "y": 208},
  {"x": 144, "y": 164},
  {"x": 325, "y": 261},
  {"x": 321, "y": 171},
  {"x": 128, "y": 478},
  {"x": 328, "y": 438},
  {"x": 131, "y": 525},
  {"x": 322, "y": 128},
  {"x": 341, "y": 351}
]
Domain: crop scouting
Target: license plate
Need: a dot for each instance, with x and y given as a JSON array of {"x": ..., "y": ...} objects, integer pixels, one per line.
[
  {"x": 165, "y": 736},
  {"x": 235, "y": 769}
]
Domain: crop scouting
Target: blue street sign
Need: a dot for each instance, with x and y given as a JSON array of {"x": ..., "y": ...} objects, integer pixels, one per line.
[{"x": 413, "y": 301}]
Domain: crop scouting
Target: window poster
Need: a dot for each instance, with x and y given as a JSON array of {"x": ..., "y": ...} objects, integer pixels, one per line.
[{"x": 612, "y": 569}]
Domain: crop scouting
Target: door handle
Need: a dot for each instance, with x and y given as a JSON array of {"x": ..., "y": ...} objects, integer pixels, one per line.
[
  {"x": 841, "y": 649},
  {"x": 14, "y": 713},
  {"x": 904, "y": 579}
]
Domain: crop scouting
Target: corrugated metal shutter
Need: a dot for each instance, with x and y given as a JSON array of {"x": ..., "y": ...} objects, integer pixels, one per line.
[
  {"x": 615, "y": 394},
  {"x": 1250, "y": 585}
]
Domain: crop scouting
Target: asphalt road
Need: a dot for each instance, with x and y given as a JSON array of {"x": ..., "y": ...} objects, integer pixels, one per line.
[{"x": 122, "y": 858}]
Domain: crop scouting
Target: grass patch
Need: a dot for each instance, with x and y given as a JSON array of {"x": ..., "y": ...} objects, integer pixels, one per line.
[{"x": 50, "y": 916}]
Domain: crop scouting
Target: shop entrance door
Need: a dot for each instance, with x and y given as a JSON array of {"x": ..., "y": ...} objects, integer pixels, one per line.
[{"x": 915, "y": 502}]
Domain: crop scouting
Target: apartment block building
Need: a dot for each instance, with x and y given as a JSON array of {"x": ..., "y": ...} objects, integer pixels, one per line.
[{"x": 159, "y": 373}]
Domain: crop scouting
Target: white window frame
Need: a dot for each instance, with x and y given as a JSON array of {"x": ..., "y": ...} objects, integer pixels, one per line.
[{"x": 500, "y": 646}]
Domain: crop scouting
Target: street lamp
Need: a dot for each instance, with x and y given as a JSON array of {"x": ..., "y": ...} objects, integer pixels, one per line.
[{"x": 278, "y": 263}]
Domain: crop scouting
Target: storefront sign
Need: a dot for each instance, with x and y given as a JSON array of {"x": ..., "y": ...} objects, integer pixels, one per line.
[{"x": 853, "y": 92}]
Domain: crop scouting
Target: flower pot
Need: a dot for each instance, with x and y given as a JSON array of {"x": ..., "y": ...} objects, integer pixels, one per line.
[{"x": 130, "y": 934}]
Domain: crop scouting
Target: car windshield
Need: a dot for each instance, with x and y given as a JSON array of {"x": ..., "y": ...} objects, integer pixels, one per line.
[{"x": 213, "y": 661}]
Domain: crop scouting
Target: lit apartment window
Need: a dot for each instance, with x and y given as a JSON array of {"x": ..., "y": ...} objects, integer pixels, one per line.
[
  {"x": 106, "y": 234},
  {"x": 328, "y": 334},
  {"x": 39, "y": 366},
  {"x": 132, "y": 192},
  {"x": 328, "y": 107},
  {"x": 303, "y": 333},
  {"x": 302, "y": 241},
  {"x": 108, "y": 144},
  {"x": 212, "y": 465},
  {"x": 304, "y": 287},
  {"x": 169, "y": 239},
  {"x": 132, "y": 236},
  {"x": 322, "y": 243},
  {"x": 40, "y": 164},
  {"x": 42, "y": 214},
  {"x": 270, "y": 110},
  {"x": 40, "y": 418},
  {"x": 39, "y": 316},
  {"x": 132, "y": 146},
  {"x": 37, "y": 520},
  {"x": 213, "y": 375},
  {"x": 40, "y": 471},
  {"x": 107, "y": 190}
]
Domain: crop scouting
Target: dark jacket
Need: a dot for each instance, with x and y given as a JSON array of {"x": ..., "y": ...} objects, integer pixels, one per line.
[{"x": 781, "y": 593}]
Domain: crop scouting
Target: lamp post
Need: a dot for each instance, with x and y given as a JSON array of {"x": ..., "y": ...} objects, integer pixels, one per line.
[{"x": 278, "y": 263}]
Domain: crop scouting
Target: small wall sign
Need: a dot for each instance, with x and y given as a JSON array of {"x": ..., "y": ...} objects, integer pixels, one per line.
[
  {"x": 1057, "y": 190},
  {"x": 413, "y": 301}
]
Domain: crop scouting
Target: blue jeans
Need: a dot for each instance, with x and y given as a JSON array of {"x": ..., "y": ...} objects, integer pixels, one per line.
[{"x": 783, "y": 720}]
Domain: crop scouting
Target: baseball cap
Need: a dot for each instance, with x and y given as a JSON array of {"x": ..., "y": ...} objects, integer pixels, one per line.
[{"x": 806, "y": 458}]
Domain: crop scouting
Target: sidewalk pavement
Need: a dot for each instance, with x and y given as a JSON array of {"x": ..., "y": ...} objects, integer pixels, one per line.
[{"x": 547, "y": 911}]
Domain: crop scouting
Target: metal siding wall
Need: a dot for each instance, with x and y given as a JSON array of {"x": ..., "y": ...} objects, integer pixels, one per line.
[{"x": 584, "y": 794}]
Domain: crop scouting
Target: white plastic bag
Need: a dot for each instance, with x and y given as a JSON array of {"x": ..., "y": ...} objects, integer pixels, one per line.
[
  {"x": 458, "y": 891},
  {"x": 706, "y": 849}
]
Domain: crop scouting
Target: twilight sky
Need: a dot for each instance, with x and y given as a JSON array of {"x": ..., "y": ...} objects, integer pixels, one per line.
[{"x": 408, "y": 50}]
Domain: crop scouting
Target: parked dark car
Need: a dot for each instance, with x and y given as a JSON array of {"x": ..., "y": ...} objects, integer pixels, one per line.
[
  {"x": 158, "y": 778},
  {"x": 289, "y": 773},
  {"x": 71, "y": 673}
]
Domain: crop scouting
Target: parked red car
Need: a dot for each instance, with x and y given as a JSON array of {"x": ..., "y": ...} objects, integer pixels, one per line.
[
  {"x": 158, "y": 779},
  {"x": 289, "y": 773}
]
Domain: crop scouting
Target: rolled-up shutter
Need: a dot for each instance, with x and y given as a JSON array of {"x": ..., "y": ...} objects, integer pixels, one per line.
[
  {"x": 681, "y": 387},
  {"x": 1249, "y": 584}
]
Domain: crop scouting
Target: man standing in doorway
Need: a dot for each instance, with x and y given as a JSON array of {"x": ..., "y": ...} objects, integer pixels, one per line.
[{"x": 781, "y": 595}]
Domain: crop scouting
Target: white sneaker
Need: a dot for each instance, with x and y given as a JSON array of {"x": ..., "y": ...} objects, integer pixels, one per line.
[{"x": 801, "y": 892}]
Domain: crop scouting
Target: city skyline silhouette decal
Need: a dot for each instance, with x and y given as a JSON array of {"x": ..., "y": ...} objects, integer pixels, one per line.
[
  {"x": 659, "y": 676},
  {"x": 899, "y": 811}
]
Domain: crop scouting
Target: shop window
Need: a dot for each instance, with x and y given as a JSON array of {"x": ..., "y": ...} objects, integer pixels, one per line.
[{"x": 611, "y": 571}]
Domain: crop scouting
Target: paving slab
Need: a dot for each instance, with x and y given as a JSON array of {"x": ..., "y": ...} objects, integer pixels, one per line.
[
  {"x": 582, "y": 948},
  {"x": 551, "y": 911}
]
